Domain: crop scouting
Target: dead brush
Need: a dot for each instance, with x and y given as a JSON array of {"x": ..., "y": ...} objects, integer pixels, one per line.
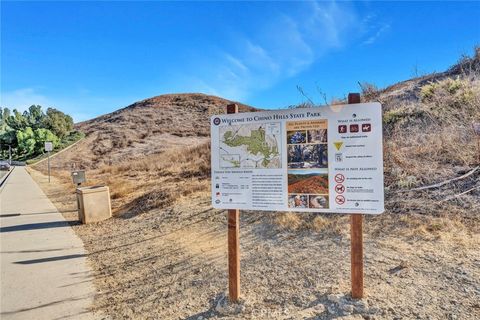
[
  {"x": 194, "y": 186},
  {"x": 425, "y": 142},
  {"x": 438, "y": 137},
  {"x": 155, "y": 199},
  {"x": 120, "y": 189},
  {"x": 327, "y": 224},
  {"x": 190, "y": 162},
  {"x": 433, "y": 142}
]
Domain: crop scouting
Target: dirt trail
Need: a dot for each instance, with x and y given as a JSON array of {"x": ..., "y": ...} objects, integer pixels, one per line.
[{"x": 171, "y": 264}]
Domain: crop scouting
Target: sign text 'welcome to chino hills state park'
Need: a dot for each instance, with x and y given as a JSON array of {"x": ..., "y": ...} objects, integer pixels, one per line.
[{"x": 326, "y": 159}]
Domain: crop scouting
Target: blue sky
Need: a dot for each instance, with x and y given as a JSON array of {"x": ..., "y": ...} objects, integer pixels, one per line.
[{"x": 90, "y": 58}]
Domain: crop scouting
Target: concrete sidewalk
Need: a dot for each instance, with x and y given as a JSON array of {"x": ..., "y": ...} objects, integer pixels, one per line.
[{"x": 44, "y": 272}]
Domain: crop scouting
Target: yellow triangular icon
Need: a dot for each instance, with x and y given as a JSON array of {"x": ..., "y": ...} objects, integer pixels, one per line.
[{"x": 338, "y": 145}]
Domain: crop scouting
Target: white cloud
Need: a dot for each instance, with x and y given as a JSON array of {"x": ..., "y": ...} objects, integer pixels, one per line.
[
  {"x": 282, "y": 47},
  {"x": 21, "y": 99},
  {"x": 379, "y": 31},
  {"x": 79, "y": 116}
]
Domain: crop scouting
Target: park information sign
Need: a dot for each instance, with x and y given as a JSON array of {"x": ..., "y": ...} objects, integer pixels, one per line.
[{"x": 326, "y": 159}]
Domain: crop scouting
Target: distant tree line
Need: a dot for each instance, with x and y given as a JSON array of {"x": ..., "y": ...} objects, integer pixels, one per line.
[{"x": 27, "y": 132}]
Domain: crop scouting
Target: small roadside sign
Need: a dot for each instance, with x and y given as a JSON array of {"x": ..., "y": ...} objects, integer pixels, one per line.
[
  {"x": 78, "y": 177},
  {"x": 48, "y": 146}
]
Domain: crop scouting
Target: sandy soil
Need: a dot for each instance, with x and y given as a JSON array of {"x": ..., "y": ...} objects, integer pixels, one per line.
[{"x": 171, "y": 264}]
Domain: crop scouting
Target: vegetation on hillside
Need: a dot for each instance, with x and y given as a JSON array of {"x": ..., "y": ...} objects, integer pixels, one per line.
[
  {"x": 26, "y": 133},
  {"x": 166, "y": 244},
  {"x": 428, "y": 138}
]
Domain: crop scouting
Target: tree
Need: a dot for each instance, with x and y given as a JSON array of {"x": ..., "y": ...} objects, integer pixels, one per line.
[
  {"x": 26, "y": 142},
  {"x": 58, "y": 122},
  {"x": 42, "y": 135},
  {"x": 8, "y": 136},
  {"x": 34, "y": 116},
  {"x": 27, "y": 132},
  {"x": 17, "y": 121},
  {"x": 4, "y": 114}
]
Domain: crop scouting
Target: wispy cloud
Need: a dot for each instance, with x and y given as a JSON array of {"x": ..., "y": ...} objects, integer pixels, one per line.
[
  {"x": 282, "y": 47},
  {"x": 21, "y": 99},
  {"x": 380, "y": 30}
]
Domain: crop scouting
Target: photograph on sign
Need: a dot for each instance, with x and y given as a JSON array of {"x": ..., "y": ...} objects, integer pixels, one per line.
[{"x": 325, "y": 159}]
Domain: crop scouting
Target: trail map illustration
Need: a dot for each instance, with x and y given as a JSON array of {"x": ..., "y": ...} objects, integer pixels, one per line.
[{"x": 251, "y": 146}]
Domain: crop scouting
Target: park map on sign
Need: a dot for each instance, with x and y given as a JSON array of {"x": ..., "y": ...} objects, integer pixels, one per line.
[{"x": 250, "y": 146}]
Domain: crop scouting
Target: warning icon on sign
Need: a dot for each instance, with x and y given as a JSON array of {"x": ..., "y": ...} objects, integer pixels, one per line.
[
  {"x": 338, "y": 145},
  {"x": 340, "y": 199},
  {"x": 339, "y": 188},
  {"x": 339, "y": 178}
]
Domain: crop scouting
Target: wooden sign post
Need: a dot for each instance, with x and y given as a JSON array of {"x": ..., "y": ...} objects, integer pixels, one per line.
[
  {"x": 356, "y": 238},
  {"x": 226, "y": 127},
  {"x": 233, "y": 243}
]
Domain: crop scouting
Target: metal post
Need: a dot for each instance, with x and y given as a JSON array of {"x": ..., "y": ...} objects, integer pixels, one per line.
[{"x": 48, "y": 166}]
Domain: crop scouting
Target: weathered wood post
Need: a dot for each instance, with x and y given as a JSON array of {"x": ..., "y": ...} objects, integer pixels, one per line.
[
  {"x": 356, "y": 238},
  {"x": 233, "y": 243}
]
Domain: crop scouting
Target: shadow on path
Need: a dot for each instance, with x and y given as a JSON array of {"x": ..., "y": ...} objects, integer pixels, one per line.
[
  {"x": 8, "y": 215},
  {"x": 43, "y": 305},
  {"x": 50, "y": 259},
  {"x": 35, "y": 226},
  {"x": 38, "y": 250}
]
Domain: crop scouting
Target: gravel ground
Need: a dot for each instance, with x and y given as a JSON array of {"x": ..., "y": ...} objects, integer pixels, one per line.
[{"x": 172, "y": 264}]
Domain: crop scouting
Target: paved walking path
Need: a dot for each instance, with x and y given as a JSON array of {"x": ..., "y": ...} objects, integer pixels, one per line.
[{"x": 44, "y": 272}]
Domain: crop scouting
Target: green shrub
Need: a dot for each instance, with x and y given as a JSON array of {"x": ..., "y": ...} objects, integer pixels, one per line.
[{"x": 427, "y": 91}]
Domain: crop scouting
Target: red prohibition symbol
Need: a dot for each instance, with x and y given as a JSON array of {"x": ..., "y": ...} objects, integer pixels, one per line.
[
  {"x": 339, "y": 178},
  {"x": 340, "y": 188},
  {"x": 340, "y": 199}
]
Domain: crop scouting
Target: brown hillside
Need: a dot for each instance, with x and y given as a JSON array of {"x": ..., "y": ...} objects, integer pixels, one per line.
[
  {"x": 144, "y": 128},
  {"x": 311, "y": 185},
  {"x": 163, "y": 254},
  {"x": 409, "y": 91}
]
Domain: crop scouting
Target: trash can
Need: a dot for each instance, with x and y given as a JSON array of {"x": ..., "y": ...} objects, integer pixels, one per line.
[{"x": 93, "y": 204}]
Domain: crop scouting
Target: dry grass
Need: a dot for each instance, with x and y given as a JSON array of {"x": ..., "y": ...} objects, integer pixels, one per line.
[
  {"x": 431, "y": 141},
  {"x": 151, "y": 182},
  {"x": 425, "y": 141},
  {"x": 173, "y": 246},
  {"x": 326, "y": 224}
]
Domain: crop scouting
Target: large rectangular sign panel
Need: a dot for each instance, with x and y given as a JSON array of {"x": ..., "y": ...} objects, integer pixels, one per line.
[{"x": 326, "y": 159}]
